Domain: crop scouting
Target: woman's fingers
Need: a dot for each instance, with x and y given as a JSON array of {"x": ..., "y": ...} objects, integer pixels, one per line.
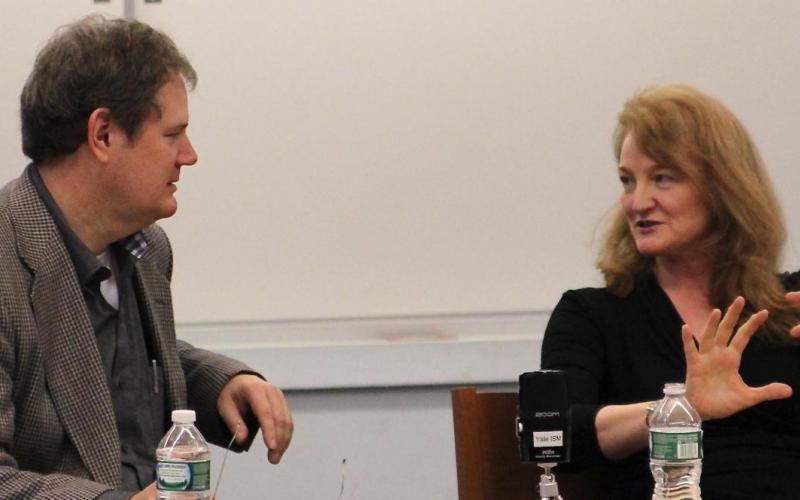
[
  {"x": 688, "y": 346},
  {"x": 793, "y": 298},
  {"x": 728, "y": 323},
  {"x": 718, "y": 332},
  {"x": 746, "y": 331},
  {"x": 710, "y": 331},
  {"x": 775, "y": 390}
]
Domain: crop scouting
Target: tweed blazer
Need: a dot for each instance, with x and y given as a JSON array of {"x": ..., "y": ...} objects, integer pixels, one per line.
[{"x": 58, "y": 435}]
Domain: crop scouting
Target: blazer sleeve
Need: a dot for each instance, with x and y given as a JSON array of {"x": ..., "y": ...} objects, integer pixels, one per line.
[
  {"x": 206, "y": 374},
  {"x": 573, "y": 342}
]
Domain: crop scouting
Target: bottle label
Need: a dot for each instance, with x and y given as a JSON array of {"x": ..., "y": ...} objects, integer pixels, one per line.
[
  {"x": 676, "y": 445},
  {"x": 183, "y": 476}
]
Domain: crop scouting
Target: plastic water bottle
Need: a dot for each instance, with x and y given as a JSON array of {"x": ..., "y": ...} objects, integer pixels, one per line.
[
  {"x": 183, "y": 461},
  {"x": 676, "y": 446}
]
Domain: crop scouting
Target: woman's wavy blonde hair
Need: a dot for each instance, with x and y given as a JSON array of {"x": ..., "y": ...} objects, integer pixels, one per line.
[{"x": 679, "y": 126}]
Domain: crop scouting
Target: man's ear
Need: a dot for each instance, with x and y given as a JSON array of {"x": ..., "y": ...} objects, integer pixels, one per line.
[{"x": 99, "y": 128}]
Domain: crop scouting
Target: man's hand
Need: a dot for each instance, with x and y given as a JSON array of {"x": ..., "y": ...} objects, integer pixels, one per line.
[{"x": 267, "y": 403}]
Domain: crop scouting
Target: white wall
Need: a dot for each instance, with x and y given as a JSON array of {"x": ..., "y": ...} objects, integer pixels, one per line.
[
  {"x": 413, "y": 157},
  {"x": 382, "y": 405},
  {"x": 418, "y": 157},
  {"x": 391, "y": 195},
  {"x": 25, "y": 28},
  {"x": 398, "y": 445}
]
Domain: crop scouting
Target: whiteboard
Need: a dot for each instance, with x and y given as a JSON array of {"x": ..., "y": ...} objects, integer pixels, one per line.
[{"x": 420, "y": 157}]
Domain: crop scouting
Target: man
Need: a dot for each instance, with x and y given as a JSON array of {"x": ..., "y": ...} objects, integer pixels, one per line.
[{"x": 89, "y": 365}]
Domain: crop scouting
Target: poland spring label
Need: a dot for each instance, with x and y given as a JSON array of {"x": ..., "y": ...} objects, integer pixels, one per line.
[
  {"x": 184, "y": 476},
  {"x": 676, "y": 445}
]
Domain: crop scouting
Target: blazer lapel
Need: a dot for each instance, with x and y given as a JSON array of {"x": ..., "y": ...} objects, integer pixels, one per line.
[
  {"x": 73, "y": 368},
  {"x": 153, "y": 294}
]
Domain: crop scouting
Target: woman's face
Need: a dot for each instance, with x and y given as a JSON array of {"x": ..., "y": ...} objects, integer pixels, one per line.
[{"x": 665, "y": 213}]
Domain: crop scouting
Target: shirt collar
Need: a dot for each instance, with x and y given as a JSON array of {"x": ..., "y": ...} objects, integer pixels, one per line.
[
  {"x": 87, "y": 266},
  {"x": 135, "y": 244}
]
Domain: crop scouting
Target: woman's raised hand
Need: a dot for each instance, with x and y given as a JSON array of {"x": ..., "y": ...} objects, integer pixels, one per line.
[
  {"x": 713, "y": 384},
  {"x": 794, "y": 298}
]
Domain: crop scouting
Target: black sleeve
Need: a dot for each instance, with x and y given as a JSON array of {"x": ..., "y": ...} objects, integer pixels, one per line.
[
  {"x": 573, "y": 342},
  {"x": 791, "y": 281}
]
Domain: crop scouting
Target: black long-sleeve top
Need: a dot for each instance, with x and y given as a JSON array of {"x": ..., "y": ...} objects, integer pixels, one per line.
[{"x": 618, "y": 350}]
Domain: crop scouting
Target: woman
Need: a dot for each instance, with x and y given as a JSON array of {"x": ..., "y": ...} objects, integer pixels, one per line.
[{"x": 697, "y": 226}]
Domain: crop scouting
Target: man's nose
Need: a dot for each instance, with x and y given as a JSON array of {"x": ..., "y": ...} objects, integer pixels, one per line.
[{"x": 187, "y": 154}]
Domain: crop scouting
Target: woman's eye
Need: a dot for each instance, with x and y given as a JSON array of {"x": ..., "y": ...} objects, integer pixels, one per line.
[
  {"x": 663, "y": 178},
  {"x": 626, "y": 181}
]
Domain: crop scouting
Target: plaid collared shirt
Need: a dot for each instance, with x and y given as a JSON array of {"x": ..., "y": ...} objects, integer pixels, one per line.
[{"x": 135, "y": 244}]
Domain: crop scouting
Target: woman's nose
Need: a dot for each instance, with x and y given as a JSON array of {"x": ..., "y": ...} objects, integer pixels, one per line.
[{"x": 642, "y": 198}]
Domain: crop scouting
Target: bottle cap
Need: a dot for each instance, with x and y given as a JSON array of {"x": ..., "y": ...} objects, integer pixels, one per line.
[{"x": 183, "y": 416}]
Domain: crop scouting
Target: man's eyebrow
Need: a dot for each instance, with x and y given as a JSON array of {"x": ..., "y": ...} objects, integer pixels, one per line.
[{"x": 178, "y": 128}]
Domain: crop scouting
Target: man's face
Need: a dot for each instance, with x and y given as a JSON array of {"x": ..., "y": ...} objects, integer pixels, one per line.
[{"x": 146, "y": 168}]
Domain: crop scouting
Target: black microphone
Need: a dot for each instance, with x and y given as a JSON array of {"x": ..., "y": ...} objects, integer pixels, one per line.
[{"x": 543, "y": 425}]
